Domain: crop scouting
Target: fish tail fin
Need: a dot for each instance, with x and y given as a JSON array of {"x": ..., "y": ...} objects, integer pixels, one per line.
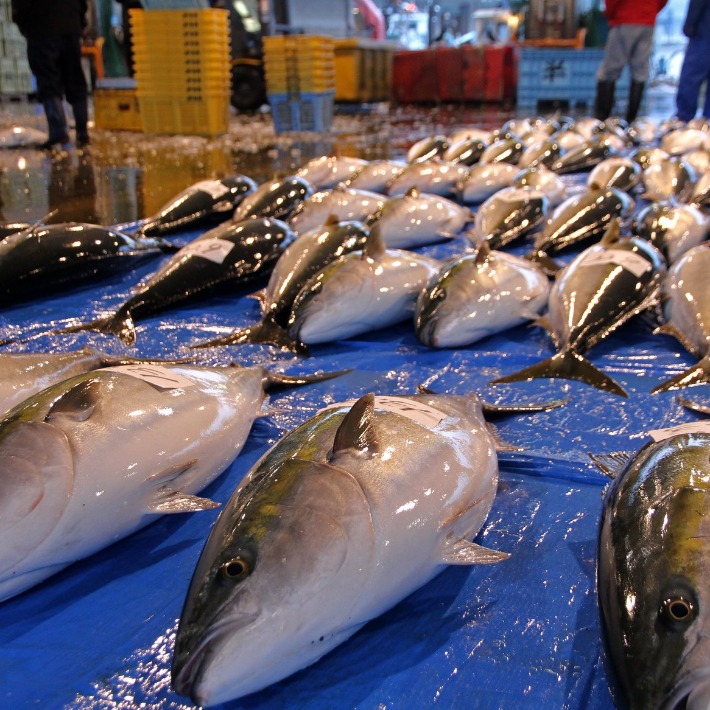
[
  {"x": 267, "y": 332},
  {"x": 276, "y": 379},
  {"x": 566, "y": 365},
  {"x": 695, "y": 375},
  {"x": 119, "y": 324}
]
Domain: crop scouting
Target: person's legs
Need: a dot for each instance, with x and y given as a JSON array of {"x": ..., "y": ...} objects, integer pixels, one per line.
[
  {"x": 75, "y": 86},
  {"x": 43, "y": 56},
  {"x": 692, "y": 75},
  {"x": 615, "y": 58},
  {"x": 641, "y": 39}
]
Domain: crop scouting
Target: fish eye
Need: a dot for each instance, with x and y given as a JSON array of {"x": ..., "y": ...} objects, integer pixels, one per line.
[
  {"x": 677, "y": 612},
  {"x": 236, "y": 568}
]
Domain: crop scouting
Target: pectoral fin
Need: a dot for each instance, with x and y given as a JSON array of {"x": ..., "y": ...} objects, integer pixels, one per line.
[
  {"x": 463, "y": 552},
  {"x": 170, "y": 501},
  {"x": 77, "y": 403}
]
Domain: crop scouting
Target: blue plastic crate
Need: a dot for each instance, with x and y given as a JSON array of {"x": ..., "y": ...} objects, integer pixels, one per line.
[{"x": 308, "y": 111}]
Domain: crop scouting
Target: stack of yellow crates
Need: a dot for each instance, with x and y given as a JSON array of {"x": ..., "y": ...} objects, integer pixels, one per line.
[
  {"x": 300, "y": 81},
  {"x": 182, "y": 70}
]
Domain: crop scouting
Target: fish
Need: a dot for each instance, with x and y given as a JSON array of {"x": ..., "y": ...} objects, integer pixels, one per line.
[
  {"x": 683, "y": 140},
  {"x": 327, "y": 171},
  {"x": 643, "y": 131},
  {"x": 701, "y": 191},
  {"x": 509, "y": 214},
  {"x": 432, "y": 177},
  {"x": 617, "y": 171},
  {"x": 346, "y": 515},
  {"x": 568, "y": 139},
  {"x": 23, "y": 374},
  {"x": 503, "y": 151},
  {"x": 543, "y": 152},
  {"x": 588, "y": 126},
  {"x": 470, "y": 133},
  {"x": 417, "y": 218},
  {"x": 671, "y": 227},
  {"x": 301, "y": 260},
  {"x": 668, "y": 179},
  {"x": 698, "y": 159},
  {"x": 467, "y": 151},
  {"x": 276, "y": 199},
  {"x": 478, "y": 295},
  {"x": 653, "y": 571},
  {"x": 598, "y": 291},
  {"x": 347, "y": 204},
  {"x": 646, "y": 156},
  {"x": 544, "y": 180},
  {"x": 375, "y": 175},
  {"x": 98, "y": 456},
  {"x": 581, "y": 218},
  {"x": 205, "y": 202},
  {"x": 48, "y": 259},
  {"x": 230, "y": 254},
  {"x": 686, "y": 314},
  {"x": 427, "y": 149},
  {"x": 585, "y": 156},
  {"x": 16, "y": 136},
  {"x": 360, "y": 292},
  {"x": 483, "y": 180}
]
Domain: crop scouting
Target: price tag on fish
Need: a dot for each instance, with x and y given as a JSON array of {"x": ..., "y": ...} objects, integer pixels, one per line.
[
  {"x": 214, "y": 188},
  {"x": 628, "y": 260},
  {"x": 161, "y": 377},
  {"x": 413, "y": 409},
  {"x": 689, "y": 428},
  {"x": 216, "y": 250}
]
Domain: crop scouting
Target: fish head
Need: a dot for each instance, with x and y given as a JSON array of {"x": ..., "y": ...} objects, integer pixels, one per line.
[
  {"x": 276, "y": 583},
  {"x": 655, "y": 598}
]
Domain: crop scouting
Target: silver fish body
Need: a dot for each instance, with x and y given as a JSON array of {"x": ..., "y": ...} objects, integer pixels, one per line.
[
  {"x": 417, "y": 218},
  {"x": 503, "y": 151},
  {"x": 683, "y": 140},
  {"x": 617, "y": 171},
  {"x": 484, "y": 180},
  {"x": 545, "y": 181},
  {"x": 431, "y": 176},
  {"x": 543, "y": 152},
  {"x": 328, "y": 171},
  {"x": 376, "y": 175},
  {"x": 701, "y": 191},
  {"x": 341, "y": 519},
  {"x": 21, "y": 137},
  {"x": 670, "y": 179},
  {"x": 347, "y": 204},
  {"x": 276, "y": 199},
  {"x": 467, "y": 151},
  {"x": 359, "y": 293},
  {"x": 653, "y": 571},
  {"x": 477, "y": 296},
  {"x": 509, "y": 214},
  {"x": 585, "y": 156},
  {"x": 427, "y": 148},
  {"x": 98, "y": 456},
  {"x": 673, "y": 228}
]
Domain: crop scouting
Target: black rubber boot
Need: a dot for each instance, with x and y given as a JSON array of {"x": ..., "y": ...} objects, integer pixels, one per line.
[
  {"x": 635, "y": 96},
  {"x": 604, "y": 102},
  {"x": 56, "y": 122},
  {"x": 81, "y": 119}
]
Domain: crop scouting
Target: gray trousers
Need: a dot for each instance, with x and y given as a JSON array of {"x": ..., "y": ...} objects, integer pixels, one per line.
[{"x": 627, "y": 44}]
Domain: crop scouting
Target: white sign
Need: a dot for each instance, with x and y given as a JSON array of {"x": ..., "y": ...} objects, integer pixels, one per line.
[
  {"x": 413, "y": 409},
  {"x": 156, "y": 375},
  {"x": 628, "y": 260},
  {"x": 216, "y": 250},
  {"x": 214, "y": 188}
]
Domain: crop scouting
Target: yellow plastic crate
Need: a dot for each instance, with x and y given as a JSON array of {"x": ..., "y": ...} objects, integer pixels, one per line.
[
  {"x": 206, "y": 19},
  {"x": 207, "y": 117},
  {"x": 297, "y": 42},
  {"x": 363, "y": 69},
  {"x": 117, "y": 110}
]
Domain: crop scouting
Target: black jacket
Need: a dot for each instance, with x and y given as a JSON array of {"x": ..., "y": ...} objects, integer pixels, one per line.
[{"x": 43, "y": 18}]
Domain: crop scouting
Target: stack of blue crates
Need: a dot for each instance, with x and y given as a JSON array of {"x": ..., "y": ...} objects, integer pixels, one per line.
[{"x": 563, "y": 78}]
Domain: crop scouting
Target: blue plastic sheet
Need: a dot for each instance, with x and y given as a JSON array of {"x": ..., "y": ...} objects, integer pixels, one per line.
[{"x": 524, "y": 633}]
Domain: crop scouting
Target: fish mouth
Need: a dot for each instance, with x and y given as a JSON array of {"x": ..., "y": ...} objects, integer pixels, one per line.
[
  {"x": 691, "y": 693},
  {"x": 187, "y": 674}
]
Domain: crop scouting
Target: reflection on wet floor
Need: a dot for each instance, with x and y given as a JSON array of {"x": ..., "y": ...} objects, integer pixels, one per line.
[{"x": 126, "y": 176}]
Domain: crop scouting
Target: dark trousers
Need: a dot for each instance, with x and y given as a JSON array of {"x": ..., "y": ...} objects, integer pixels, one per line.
[
  {"x": 695, "y": 70},
  {"x": 56, "y": 64}
]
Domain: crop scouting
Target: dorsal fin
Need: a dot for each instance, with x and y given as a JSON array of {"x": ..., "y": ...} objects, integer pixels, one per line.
[
  {"x": 77, "y": 403},
  {"x": 375, "y": 246},
  {"x": 611, "y": 234},
  {"x": 613, "y": 463},
  {"x": 412, "y": 192},
  {"x": 332, "y": 219},
  {"x": 483, "y": 252},
  {"x": 356, "y": 432}
]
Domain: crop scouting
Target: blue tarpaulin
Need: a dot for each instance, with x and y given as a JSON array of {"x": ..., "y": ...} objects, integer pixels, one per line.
[{"x": 524, "y": 633}]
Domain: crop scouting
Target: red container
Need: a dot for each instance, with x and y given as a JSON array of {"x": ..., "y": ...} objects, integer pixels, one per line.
[
  {"x": 414, "y": 76},
  {"x": 474, "y": 71},
  {"x": 450, "y": 73},
  {"x": 500, "y": 74}
]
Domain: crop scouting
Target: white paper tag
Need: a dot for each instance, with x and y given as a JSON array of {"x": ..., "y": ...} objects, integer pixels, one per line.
[
  {"x": 215, "y": 250},
  {"x": 156, "y": 375},
  {"x": 628, "y": 260},
  {"x": 413, "y": 409},
  {"x": 689, "y": 428},
  {"x": 214, "y": 188}
]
